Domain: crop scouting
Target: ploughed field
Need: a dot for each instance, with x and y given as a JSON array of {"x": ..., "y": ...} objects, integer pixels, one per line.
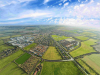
[
  {"x": 85, "y": 48},
  {"x": 60, "y": 68},
  {"x": 51, "y": 54}
]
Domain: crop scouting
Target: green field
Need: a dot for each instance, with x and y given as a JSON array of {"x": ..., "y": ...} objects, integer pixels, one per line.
[
  {"x": 5, "y": 37},
  {"x": 82, "y": 38},
  {"x": 93, "y": 61},
  {"x": 85, "y": 48},
  {"x": 15, "y": 35},
  {"x": 51, "y": 54},
  {"x": 12, "y": 69},
  {"x": 71, "y": 31},
  {"x": 88, "y": 34},
  {"x": 86, "y": 67},
  {"x": 9, "y": 59},
  {"x": 30, "y": 46},
  {"x": 5, "y": 47},
  {"x": 60, "y": 68},
  {"x": 23, "y": 58},
  {"x": 1, "y": 42},
  {"x": 58, "y": 38}
]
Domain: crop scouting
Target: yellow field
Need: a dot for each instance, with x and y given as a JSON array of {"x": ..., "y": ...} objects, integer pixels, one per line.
[{"x": 51, "y": 54}]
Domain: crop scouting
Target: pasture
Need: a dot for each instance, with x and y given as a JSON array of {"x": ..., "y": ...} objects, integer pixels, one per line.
[
  {"x": 93, "y": 61},
  {"x": 58, "y": 38},
  {"x": 86, "y": 67},
  {"x": 1, "y": 42},
  {"x": 9, "y": 59},
  {"x": 60, "y": 68},
  {"x": 82, "y": 38},
  {"x": 12, "y": 69},
  {"x": 5, "y": 37},
  {"x": 97, "y": 47},
  {"x": 85, "y": 48},
  {"x": 89, "y": 34},
  {"x": 51, "y": 54},
  {"x": 23, "y": 58},
  {"x": 27, "y": 48}
]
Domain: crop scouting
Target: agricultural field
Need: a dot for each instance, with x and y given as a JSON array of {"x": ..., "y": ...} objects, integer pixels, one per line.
[
  {"x": 51, "y": 54},
  {"x": 82, "y": 38},
  {"x": 5, "y": 37},
  {"x": 86, "y": 67},
  {"x": 23, "y": 58},
  {"x": 97, "y": 47},
  {"x": 30, "y": 46},
  {"x": 89, "y": 34},
  {"x": 71, "y": 31},
  {"x": 58, "y": 38},
  {"x": 1, "y": 42},
  {"x": 60, "y": 68},
  {"x": 85, "y": 48},
  {"x": 4, "y": 47},
  {"x": 15, "y": 35},
  {"x": 5, "y": 61},
  {"x": 12, "y": 69},
  {"x": 93, "y": 61}
]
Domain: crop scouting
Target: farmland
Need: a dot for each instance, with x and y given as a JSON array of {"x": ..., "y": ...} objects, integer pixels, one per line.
[
  {"x": 93, "y": 61},
  {"x": 82, "y": 38},
  {"x": 1, "y": 42},
  {"x": 15, "y": 35},
  {"x": 97, "y": 47},
  {"x": 12, "y": 69},
  {"x": 88, "y": 34},
  {"x": 23, "y": 58},
  {"x": 5, "y": 37},
  {"x": 51, "y": 54},
  {"x": 4, "y": 47},
  {"x": 60, "y": 68},
  {"x": 86, "y": 67},
  {"x": 85, "y": 48},
  {"x": 9, "y": 59},
  {"x": 58, "y": 38},
  {"x": 30, "y": 46}
]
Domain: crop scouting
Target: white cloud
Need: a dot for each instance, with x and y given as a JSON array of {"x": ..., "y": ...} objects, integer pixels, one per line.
[
  {"x": 82, "y": 5},
  {"x": 98, "y": 3},
  {"x": 60, "y": 4},
  {"x": 78, "y": 0},
  {"x": 11, "y": 22},
  {"x": 65, "y": 4},
  {"x": 64, "y": 1},
  {"x": 46, "y": 1}
]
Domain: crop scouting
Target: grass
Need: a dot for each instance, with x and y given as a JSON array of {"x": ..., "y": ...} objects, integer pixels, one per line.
[
  {"x": 93, "y": 61},
  {"x": 86, "y": 67},
  {"x": 5, "y": 37},
  {"x": 82, "y": 38},
  {"x": 51, "y": 54},
  {"x": 60, "y": 68},
  {"x": 23, "y": 58},
  {"x": 12, "y": 69},
  {"x": 15, "y": 35},
  {"x": 58, "y": 38},
  {"x": 88, "y": 34},
  {"x": 71, "y": 31},
  {"x": 9, "y": 59},
  {"x": 1, "y": 42},
  {"x": 5, "y": 47},
  {"x": 30, "y": 46},
  {"x": 85, "y": 48}
]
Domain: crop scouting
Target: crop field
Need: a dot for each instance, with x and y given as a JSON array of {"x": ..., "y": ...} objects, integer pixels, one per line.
[
  {"x": 58, "y": 38},
  {"x": 93, "y": 61},
  {"x": 82, "y": 38},
  {"x": 86, "y": 67},
  {"x": 15, "y": 35},
  {"x": 1, "y": 42},
  {"x": 23, "y": 58},
  {"x": 12, "y": 69},
  {"x": 71, "y": 31},
  {"x": 85, "y": 48},
  {"x": 60, "y": 68},
  {"x": 30, "y": 46},
  {"x": 97, "y": 47},
  {"x": 4, "y": 47},
  {"x": 5, "y": 37},
  {"x": 9, "y": 59},
  {"x": 88, "y": 34},
  {"x": 51, "y": 54}
]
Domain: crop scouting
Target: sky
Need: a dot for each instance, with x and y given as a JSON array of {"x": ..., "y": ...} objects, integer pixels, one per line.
[{"x": 50, "y": 12}]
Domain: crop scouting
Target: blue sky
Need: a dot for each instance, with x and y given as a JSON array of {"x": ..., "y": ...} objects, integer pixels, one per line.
[{"x": 50, "y": 12}]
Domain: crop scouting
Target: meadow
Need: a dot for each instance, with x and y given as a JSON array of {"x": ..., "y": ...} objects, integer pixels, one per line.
[
  {"x": 60, "y": 68},
  {"x": 85, "y": 48},
  {"x": 86, "y": 67},
  {"x": 89, "y": 34},
  {"x": 5, "y": 47},
  {"x": 23, "y": 58},
  {"x": 12, "y": 69},
  {"x": 82, "y": 38},
  {"x": 51, "y": 54},
  {"x": 30, "y": 46},
  {"x": 58, "y": 38},
  {"x": 1, "y": 42},
  {"x": 5, "y": 61},
  {"x": 93, "y": 61},
  {"x": 5, "y": 37}
]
